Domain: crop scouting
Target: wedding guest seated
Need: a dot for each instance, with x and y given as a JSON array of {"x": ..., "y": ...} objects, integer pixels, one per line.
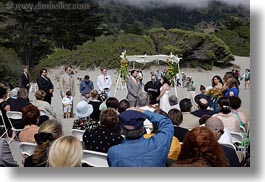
[
  {"x": 104, "y": 136},
  {"x": 175, "y": 145},
  {"x": 173, "y": 102},
  {"x": 4, "y": 107},
  {"x": 143, "y": 102},
  {"x": 217, "y": 127},
  {"x": 230, "y": 121},
  {"x": 135, "y": 150},
  {"x": 13, "y": 93},
  {"x": 113, "y": 103},
  {"x": 65, "y": 151},
  {"x": 6, "y": 157},
  {"x": 49, "y": 131},
  {"x": 21, "y": 101},
  {"x": 200, "y": 149},
  {"x": 123, "y": 105},
  {"x": 41, "y": 104},
  {"x": 203, "y": 102},
  {"x": 30, "y": 115},
  {"x": 235, "y": 103},
  {"x": 189, "y": 121},
  {"x": 176, "y": 117},
  {"x": 17, "y": 105},
  {"x": 96, "y": 104},
  {"x": 83, "y": 121}
]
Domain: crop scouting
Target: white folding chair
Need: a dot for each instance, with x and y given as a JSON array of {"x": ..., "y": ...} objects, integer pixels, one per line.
[
  {"x": 78, "y": 134},
  {"x": 43, "y": 112},
  {"x": 27, "y": 149},
  {"x": 14, "y": 115},
  {"x": 3, "y": 125},
  {"x": 238, "y": 139},
  {"x": 95, "y": 159}
]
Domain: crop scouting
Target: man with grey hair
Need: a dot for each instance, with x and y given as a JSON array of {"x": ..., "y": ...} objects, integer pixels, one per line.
[
  {"x": 173, "y": 102},
  {"x": 143, "y": 102},
  {"x": 217, "y": 127}
]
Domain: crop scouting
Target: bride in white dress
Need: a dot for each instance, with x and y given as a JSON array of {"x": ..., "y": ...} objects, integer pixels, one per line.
[{"x": 164, "y": 94}]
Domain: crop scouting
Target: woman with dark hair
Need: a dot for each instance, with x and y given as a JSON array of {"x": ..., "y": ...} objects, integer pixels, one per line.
[
  {"x": 230, "y": 121},
  {"x": 123, "y": 105},
  {"x": 200, "y": 148},
  {"x": 30, "y": 115},
  {"x": 217, "y": 82},
  {"x": 104, "y": 136},
  {"x": 176, "y": 117},
  {"x": 49, "y": 131},
  {"x": 164, "y": 95},
  {"x": 217, "y": 85},
  {"x": 4, "y": 107},
  {"x": 235, "y": 103}
]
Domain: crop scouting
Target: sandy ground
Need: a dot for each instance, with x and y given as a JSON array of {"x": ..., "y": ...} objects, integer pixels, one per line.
[{"x": 199, "y": 76}]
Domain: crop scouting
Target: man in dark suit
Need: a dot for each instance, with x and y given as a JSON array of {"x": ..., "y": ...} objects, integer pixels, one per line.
[
  {"x": 44, "y": 83},
  {"x": 153, "y": 88},
  {"x": 24, "y": 78},
  {"x": 217, "y": 127},
  {"x": 134, "y": 88}
]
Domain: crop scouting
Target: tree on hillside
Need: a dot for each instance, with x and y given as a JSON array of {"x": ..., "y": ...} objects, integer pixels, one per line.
[{"x": 34, "y": 33}]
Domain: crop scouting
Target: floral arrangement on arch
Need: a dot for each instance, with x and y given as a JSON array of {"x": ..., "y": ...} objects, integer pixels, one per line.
[
  {"x": 123, "y": 68},
  {"x": 172, "y": 70}
]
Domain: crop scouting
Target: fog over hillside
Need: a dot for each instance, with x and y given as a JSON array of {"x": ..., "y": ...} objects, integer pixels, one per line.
[{"x": 164, "y": 3}]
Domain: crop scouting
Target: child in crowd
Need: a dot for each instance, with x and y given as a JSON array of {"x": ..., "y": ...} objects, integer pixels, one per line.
[{"x": 67, "y": 104}]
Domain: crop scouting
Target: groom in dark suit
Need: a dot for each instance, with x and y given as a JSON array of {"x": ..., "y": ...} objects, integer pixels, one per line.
[
  {"x": 24, "y": 78},
  {"x": 134, "y": 88},
  {"x": 44, "y": 83}
]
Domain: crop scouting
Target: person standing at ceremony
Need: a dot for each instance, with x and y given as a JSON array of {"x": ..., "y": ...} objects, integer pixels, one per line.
[
  {"x": 44, "y": 83},
  {"x": 134, "y": 88},
  {"x": 86, "y": 86},
  {"x": 164, "y": 95},
  {"x": 104, "y": 82},
  {"x": 24, "y": 79},
  {"x": 152, "y": 87},
  {"x": 66, "y": 83}
]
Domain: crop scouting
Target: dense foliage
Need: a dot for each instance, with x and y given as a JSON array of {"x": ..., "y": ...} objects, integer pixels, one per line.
[{"x": 10, "y": 68}]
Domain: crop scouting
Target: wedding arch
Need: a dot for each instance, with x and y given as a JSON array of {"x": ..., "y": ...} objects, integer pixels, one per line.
[{"x": 142, "y": 59}]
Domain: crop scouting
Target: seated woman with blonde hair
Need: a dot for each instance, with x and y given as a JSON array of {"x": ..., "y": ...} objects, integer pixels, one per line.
[
  {"x": 200, "y": 148},
  {"x": 49, "y": 131},
  {"x": 66, "y": 151}
]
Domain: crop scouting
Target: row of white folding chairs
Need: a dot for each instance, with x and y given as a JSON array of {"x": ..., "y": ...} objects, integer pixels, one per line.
[{"x": 91, "y": 158}]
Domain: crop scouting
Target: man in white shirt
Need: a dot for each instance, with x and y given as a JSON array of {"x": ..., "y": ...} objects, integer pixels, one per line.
[{"x": 104, "y": 82}]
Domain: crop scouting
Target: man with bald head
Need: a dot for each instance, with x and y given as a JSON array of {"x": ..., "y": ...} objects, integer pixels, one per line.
[{"x": 217, "y": 127}]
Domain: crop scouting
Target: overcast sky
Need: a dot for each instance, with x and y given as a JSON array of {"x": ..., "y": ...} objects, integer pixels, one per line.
[{"x": 186, "y": 3}]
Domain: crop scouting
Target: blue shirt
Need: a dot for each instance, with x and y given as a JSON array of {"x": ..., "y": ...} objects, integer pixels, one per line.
[
  {"x": 234, "y": 90},
  {"x": 83, "y": 90},
  {"x": 151, "y": 152}
]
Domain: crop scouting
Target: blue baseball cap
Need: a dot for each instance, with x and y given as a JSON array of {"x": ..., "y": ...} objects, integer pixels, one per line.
[{"x": 132, "y": 120}]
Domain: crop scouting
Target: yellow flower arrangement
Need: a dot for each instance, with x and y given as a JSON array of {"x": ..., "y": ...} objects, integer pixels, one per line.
[
  {"x": 172, "y": 70},
  {"x": 123, "y": 69},
  {"x": 214, "y": 93}
]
